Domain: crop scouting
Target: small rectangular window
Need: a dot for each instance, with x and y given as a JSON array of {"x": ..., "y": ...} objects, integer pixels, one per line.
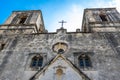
[
  {"x": 22, "y": 20},
  {"x": 103, "y": 17},
  {"x": 2, "y": 46}
]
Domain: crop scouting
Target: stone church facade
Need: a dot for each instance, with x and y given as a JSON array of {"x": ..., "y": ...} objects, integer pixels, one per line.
[{"x": 29, "y": 52}]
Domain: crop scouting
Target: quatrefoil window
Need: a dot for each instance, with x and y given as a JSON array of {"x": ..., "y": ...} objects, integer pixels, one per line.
[{"x": 60, "y": 47}]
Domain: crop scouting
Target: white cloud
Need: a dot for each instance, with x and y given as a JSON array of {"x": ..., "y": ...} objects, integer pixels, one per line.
[
  {"x": 116, "y": 4},
  {"x": 107, "y": 4},
  {"x": 73, "y": 17}
]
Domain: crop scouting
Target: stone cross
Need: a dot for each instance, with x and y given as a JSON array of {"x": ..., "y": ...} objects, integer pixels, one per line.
[{"x": 62, "y": 22}]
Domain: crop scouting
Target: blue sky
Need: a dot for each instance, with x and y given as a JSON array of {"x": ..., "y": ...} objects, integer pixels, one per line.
[{"x": 55, "y": 10}]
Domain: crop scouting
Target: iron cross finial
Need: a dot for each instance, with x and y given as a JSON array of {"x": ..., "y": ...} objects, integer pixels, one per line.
[{"x": 62, "y": 22}]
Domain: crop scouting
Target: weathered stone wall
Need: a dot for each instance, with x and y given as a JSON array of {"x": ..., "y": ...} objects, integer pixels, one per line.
[{"x": 15, "y": 59}]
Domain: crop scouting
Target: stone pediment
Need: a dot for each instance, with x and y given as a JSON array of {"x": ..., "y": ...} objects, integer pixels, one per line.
[{"x": 60, "y": 68}]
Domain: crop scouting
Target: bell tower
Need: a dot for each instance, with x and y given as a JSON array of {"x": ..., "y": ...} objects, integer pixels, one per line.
[
  {"x": 101, "y": 20},
  {"x": 24, "y": 22}
]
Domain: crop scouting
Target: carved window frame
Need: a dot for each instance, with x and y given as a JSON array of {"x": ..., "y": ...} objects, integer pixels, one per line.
[
  {"x": 29, "y": 60},
  {"x": 76, "y": 59},
  {"x": 84, "y": 61},
  {"x": 37, "y": 61}
]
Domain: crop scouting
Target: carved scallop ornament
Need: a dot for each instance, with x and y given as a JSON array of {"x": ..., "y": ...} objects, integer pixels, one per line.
[{"x": 60, "y": 47}]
